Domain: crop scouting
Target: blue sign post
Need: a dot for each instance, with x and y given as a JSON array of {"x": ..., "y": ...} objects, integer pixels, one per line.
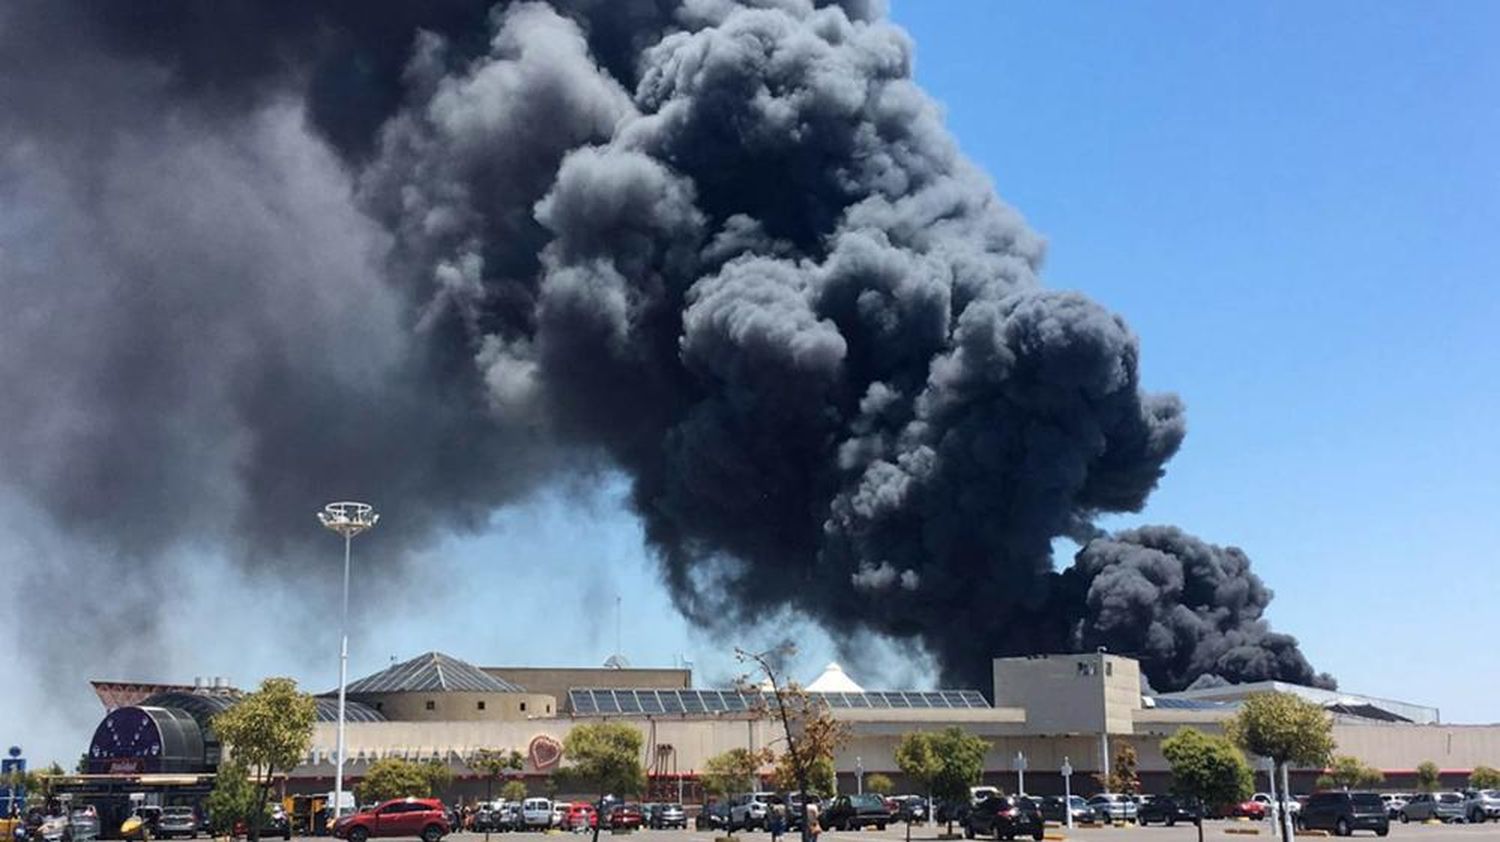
[{"x": 15, "y": 797}]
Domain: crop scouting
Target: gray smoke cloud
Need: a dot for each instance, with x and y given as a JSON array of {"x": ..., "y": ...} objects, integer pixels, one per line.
[{"x": 254, "y": 256}]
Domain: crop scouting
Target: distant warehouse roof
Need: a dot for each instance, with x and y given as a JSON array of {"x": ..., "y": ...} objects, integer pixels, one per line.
[{"x": 432, "y": 672}]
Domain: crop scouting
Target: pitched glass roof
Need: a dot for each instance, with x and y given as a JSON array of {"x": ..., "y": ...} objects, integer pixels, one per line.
[
  {"x": 612, "y": 702},
  {"x": 432, "y": 672},
  {"x": 204, "y": 706}
]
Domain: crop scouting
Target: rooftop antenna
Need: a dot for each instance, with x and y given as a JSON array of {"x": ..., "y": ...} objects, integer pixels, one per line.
[
  {"x": 617, "y": 624},
  {"x": 616, "y": 661}
]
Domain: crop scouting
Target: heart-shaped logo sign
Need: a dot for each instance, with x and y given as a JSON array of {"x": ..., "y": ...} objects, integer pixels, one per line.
[{"x": 545, "y": 752}]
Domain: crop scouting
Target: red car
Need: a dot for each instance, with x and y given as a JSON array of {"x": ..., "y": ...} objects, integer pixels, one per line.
[
  {"x": 625, "y": 816},
  {"x": 418, "y": 817},
  {"x": 580, "y": 817},
  {"x": 1250, "y": 810}
]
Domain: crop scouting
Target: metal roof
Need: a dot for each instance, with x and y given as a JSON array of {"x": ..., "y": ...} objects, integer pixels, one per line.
[
  {"x": 202, "y": 707},
  {"x": 609, "y": 702},
  {"x": 432, "y": 672}
]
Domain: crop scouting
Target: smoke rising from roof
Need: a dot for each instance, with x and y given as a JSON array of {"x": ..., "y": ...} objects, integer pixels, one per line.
[{"x": 255, "y": 256}]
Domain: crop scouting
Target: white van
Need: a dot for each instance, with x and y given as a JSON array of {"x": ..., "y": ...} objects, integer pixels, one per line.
[{"x": 536, "y": 812}]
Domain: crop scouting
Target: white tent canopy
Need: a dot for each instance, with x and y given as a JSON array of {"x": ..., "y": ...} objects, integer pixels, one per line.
[{"x": 834, "y": 680}]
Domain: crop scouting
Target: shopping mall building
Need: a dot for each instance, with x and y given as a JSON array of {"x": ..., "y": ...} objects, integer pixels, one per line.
[{"x": 1045, "y": 708}]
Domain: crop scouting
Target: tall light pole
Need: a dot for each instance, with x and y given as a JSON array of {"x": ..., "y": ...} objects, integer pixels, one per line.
[{"x": 347, "y": 519}]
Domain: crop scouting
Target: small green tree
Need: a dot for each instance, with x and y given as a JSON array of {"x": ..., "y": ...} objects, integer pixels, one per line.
[
  {"x": 513, "y": 791},
  {"x": 1286, "y": 728},
  {"x": 1348, "y": 772},
  {"x": 916, "y": 757},
  {"x": 879, "y": 783},
  {"x": 732, "y": 771},
  {"x": 393, "y": 777},
  {"x": 439, "y": 777},
  {"x": 960, "y": 764},
  {"x": 234, "y": 799},
  {"x": 1484, "y": 777},
  {"x": 269, "y": 732},
  {"x": 821, "y": 776},
  {"x": 1123, "y": 777},
  {"x": 1429, "y": 778},
  {"x": 1208, "y": 769},
  {"x": 604, "y": 757}
]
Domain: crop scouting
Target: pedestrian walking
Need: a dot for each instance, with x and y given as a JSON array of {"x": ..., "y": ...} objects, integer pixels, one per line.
[
  {"x": 813, "y": 828},
  {"x": 778, "y": 821}
]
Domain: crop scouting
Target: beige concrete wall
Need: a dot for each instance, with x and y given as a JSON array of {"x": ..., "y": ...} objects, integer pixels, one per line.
[
  {"x": 1060, "y": 693},
  {"x": 452, "y": 706},
  {"x": 557, "y": 681},
  {"x": 1402, "y": 747}
]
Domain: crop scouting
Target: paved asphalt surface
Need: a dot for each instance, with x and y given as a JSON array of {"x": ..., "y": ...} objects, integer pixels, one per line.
[{"x": 1214, "y": 830}]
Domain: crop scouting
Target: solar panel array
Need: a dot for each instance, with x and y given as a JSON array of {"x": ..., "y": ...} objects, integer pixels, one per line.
[
  {"x": 1186, "y": 704},
  {"x": 610, "y": 702}
]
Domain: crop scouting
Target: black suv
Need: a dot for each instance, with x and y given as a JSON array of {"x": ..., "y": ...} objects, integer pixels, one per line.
[
  {"x": 852, "y": 812},
  {"x": 1168, "y": 810},
  {"x": 1345, "y": 812},
  {"x": 1006, "y": 817}
]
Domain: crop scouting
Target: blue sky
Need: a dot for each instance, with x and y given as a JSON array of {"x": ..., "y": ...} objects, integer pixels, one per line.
[{"x": 1294, "y": 205}]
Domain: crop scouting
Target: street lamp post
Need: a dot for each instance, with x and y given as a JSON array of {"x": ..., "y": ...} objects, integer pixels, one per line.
[
  {"x": 348, "y": 519},
  {"x": 1067, "y": 776},
  {"x": 1020, "y": 773}
]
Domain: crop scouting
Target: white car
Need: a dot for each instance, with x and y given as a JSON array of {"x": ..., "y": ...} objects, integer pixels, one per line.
[
  {"x": 560, "y": 813},
  {"x": 979, "y": 793},
  {"x": 537, "y": 812},
  {"x": 750, "y": 810}
]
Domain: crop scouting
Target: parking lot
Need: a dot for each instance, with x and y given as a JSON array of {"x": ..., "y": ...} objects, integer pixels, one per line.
[{"x": 1216, "y": 830}]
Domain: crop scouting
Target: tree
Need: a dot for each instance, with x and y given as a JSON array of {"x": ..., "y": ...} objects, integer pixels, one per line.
[
  {"x": 604, "y": 757},
  {"x": 960, "y": 764},
  {"x": 234, "y": 799},
  {"x": 1347, "y": 772},
  {"x": 1428, "y": 776},
  {"x": 822, "y": 777},
  {"x": 1208, "y": 769},
  {"x": 1285, "y": 728},
  {"x": 1484, "y": 777},
  {"x": 513, "y": 791},
  {"x": 916, "y": 757},
  {"x": 879, "y": 783},
  {"x": 1122, "y": 776},
  {"x": 393, "y": 777},
  {"x": 439, "y": 777},
  {"x": 733, "y": 771},
  {"x": 268, "y": 731},
  {"x": 812, "y": 734}
]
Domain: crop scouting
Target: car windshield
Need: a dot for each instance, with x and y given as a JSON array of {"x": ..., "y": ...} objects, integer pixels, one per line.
[
  {"x": 178, "y": 811},
  {"x": 1450, "y": 798},
  {"x": 1368, "y": 799},
  {"x": 867, "y": 801}
]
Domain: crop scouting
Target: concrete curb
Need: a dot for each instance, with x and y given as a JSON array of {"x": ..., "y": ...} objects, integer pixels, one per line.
[
  {"x": 1321, "y": 834},
  {"x": 1243, "y": 831}
]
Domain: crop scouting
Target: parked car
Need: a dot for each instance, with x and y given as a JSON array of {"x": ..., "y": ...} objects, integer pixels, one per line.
[
  {"x": 422, "y": 817},
  {"x": 1394, "y": 801},
  {"x": 855, "y": 812},
  {"x": 951, "y": 811},
  {"x": 748, "y": 810},
  {"x": 1112, "y": 807},
  {"x": 1056, "y": 808},
  {"x": 1345, "y": 812},
  {"x": 1168, "y": 810},
  {"x": 536, "y": 813},
  {"x": 1005, "y": 817},
  {"x": 1443, "y": 806},
  {"x": 713, "y": 816},
  {"x": 1268, "y": 804},
  {"x": 1479, "y": 805},
  {"x": 668, "y": 815},
  {"x": 625, "y": 817},
  {"x": 979, "y": 793},
  {"x": 580, "y": 817},
  {"x": 559, "y": 813},
  {"x": 911, "y": 808},
  {"x": 83, "y": 824},
  {"x": 1248, "y": 809},
  {"x": 178, "y": 821}
]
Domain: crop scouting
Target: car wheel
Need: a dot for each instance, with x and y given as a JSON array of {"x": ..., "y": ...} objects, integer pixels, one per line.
[
  {"x": 1171, "y": 821},
  {"x": 358, "y": 834},
  {"x": 880, "y": 826},
  {"x": 1038, "y": 834},
  {"x": 968, "y": 831},
  {"x": 1404, "y": 817},
  {"x": 1342, "y": 827},
  {"x": 1383, "y": 831}
]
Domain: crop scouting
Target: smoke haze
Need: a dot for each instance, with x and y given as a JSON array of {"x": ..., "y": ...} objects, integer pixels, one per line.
[{"x": 256, "y": 256}]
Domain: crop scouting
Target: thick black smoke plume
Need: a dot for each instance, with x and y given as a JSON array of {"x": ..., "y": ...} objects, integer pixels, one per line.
[{"x": 254, "y": 255}]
